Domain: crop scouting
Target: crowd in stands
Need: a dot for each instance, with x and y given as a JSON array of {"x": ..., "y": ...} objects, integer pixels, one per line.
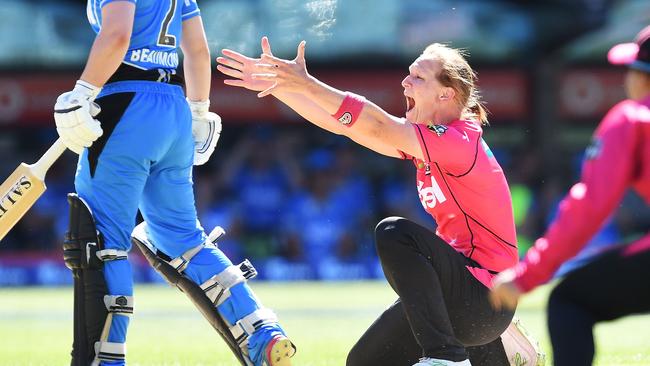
[{"x": 292, "y": 194}]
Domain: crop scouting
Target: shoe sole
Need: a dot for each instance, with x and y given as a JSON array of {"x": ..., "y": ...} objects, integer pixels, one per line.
[{"x": 281, "y": 352}]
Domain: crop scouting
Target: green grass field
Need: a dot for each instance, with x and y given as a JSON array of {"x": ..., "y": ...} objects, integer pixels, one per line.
[{"x": 323, "y": 319}]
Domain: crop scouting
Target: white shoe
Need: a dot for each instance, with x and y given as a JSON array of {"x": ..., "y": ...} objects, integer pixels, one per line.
[
  {"x": 521, "y": 348},
  {"x": 427, "y": 361}
]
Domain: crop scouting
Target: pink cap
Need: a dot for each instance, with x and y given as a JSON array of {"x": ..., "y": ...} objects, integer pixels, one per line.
[
  {"x": 623, "y": 54},
  {"x": 629, "y": 53},
  {"x": 634, "y": 54}
]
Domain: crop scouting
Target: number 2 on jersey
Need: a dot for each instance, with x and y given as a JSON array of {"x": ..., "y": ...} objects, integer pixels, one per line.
[{"x": 165, "y": 39}]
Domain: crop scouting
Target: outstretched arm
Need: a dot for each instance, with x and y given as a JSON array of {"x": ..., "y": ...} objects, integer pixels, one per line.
[
  {"x": 316, "y": 101},
  {"x": 606, "y": 174}
]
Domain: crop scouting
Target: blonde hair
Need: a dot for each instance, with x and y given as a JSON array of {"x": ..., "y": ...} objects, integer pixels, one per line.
[{"x": 456, "y": 73}]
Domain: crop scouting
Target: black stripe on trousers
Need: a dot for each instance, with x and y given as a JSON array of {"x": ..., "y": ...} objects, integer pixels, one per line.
[{"x": 113, "y": 107}]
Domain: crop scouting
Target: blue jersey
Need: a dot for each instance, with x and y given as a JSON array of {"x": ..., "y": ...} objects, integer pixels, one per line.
[{"x": 156, "y": 32}]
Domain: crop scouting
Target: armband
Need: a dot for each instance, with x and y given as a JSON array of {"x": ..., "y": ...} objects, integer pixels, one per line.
[{"x": 350, "y": 109}]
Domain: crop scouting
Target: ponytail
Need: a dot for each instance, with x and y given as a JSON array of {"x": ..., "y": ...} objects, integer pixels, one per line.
[
  {"x": 475, "y": 110},
  {"x": 479, "y": 112}
]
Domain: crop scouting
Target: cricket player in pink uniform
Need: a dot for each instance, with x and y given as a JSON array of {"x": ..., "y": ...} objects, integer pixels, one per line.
[
  {"x": 616, "y": 283},
  {"x": 443, "y": 315}
]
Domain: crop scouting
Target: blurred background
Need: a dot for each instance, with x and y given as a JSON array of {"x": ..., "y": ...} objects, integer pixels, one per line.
[{"x": 302, "y": 203}]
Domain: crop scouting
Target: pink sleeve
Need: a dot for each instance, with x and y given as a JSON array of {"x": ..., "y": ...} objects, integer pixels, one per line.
[
  {"x": 454, "y": 147},
  {"x": 606, "y": 174}
]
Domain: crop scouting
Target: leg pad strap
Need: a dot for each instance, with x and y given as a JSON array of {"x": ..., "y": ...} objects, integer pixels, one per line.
[
  {"x": 109, "y": 351},
  {"x": 217, "y": 288},
  {"x": 122, "y": 305},
  {"x": 250, "y": 323},
  {"x": 111, "y": 254}
]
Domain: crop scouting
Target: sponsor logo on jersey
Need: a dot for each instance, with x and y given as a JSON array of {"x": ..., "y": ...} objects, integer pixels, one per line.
[
  {"x": 438, "y": 129},
  {"x": 430, "y": 196}
]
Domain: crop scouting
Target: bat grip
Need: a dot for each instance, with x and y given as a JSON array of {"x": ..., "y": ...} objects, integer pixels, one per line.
[{"x": 41, "y": 167}]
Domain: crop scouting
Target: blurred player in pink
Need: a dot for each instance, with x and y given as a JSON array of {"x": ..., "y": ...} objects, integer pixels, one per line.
[
  {"x": 443, "y": 315},
  {"x": 617, "y": 283}
]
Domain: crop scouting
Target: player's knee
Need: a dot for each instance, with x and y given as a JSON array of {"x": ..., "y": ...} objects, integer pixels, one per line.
[
  {"x": 558, "y": 299},
  {"x": 82, "y": 240},
  {"x": 83, "y": 246},
  {"x": 389, "y": 232},
  {"x": 364, "y": 353},
  {"x": 355, "y": 357}
]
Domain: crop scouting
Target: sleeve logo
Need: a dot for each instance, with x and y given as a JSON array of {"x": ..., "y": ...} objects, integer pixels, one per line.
[
  {"x": 438, "y": 129},
  {"x": 594, "y": 149}
]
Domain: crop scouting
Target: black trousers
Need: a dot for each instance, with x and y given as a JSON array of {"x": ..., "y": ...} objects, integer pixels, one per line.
[
  {"x": 613, "y": 286},
  {"x": 442, "y": 311}
]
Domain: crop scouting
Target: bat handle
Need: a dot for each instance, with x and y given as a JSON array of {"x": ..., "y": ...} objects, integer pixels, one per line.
[{"x": 41, "y": 167}]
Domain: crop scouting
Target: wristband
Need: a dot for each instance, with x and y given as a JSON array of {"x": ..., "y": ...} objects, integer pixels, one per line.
[
  {"x": 350, "y": 109},
  {"x": 199, "y": 108},
  {"x": 87, "y": 89}
]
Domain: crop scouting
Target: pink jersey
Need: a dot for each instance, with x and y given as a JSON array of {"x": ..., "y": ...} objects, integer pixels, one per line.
[
  {"x": 461, "y": 185},
  {"x": 618, "y": 159}
]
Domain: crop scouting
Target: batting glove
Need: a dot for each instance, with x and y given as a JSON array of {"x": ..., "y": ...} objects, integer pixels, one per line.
[
  {"x": 206, "y": 129},
  {"x": 74, "y": 114}
]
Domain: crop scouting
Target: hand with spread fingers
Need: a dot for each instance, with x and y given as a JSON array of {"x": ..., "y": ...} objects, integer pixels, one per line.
[
  {"x": 267, "y": 74},
  {"x": 289, "y": 76},
  {"x": 241, "y": 68},
  {"x": 505, "y": 293}
]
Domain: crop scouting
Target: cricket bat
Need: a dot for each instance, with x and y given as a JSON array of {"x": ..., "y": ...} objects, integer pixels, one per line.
[{"x": 24, "y": 186}]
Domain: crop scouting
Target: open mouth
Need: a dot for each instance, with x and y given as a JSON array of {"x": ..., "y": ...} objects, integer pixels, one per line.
[{"x": 410, "y": 103}]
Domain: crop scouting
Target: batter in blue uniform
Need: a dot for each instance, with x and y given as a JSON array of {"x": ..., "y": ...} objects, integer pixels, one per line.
[{"x": 138, "y": 134}]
